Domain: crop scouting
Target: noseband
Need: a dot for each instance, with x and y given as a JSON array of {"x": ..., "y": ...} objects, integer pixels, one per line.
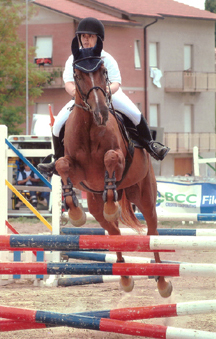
[{"x": 84, "y": 97}]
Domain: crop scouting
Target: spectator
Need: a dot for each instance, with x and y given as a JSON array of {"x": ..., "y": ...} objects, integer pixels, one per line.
[{"x": 29, "y": 178}]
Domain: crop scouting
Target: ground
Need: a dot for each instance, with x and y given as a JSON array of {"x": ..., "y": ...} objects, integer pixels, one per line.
[{"x": 109, "y": 295}]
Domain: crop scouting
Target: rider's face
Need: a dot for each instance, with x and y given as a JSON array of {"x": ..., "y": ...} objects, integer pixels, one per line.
[{"x": 88, "y": 40}]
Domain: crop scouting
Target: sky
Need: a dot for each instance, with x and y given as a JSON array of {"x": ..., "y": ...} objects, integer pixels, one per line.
[{"x": 195, "y": 3}]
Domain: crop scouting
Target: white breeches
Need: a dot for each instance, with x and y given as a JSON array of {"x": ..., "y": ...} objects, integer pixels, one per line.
[{"x": 120, "y": 102}]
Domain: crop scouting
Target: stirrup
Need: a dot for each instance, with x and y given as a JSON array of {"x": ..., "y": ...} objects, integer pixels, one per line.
[{"x": 157, "y": 150}]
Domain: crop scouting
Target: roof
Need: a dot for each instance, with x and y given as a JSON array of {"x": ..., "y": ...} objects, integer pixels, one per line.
[
  {"x": 146, "y": 8},
  {"x": 158, "y": 8},
  {"x": 79, "y": 12}
]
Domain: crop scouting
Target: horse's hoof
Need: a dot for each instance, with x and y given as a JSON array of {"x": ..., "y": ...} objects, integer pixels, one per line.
[
  {"x": 127, "y": 283},
  {"x": 78, "y": 219},
  {"x": 112, "y": 216},
  {"x": 167, "y": 291}
]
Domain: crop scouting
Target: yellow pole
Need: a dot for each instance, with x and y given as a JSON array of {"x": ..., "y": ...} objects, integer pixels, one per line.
[{"x": 44, "y": 221}]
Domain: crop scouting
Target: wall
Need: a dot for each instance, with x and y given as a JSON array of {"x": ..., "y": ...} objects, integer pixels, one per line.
[
  {"x": 119, "y": 42},
  {"x": 172, "y": 34}
]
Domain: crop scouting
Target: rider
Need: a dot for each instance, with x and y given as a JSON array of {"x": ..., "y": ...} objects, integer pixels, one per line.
[{"x": 88, "y": 30}]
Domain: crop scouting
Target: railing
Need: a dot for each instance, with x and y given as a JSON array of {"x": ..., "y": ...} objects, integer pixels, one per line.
[
  {"x": 55, "y": 80},
  {"x": 189, "y": 81},
  {"x": 185, "y": 142}
]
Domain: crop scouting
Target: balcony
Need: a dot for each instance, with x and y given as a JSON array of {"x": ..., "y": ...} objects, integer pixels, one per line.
[
  {"x": 55, "y": 80},
  {"x": 190, "y": 82},
  {"x": 184, "y": 142}
]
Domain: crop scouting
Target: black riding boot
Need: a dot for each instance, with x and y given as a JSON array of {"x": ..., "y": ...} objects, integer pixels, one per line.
[
  {"x": 155, "y": 149},
  {"x": 59, "y": 152}
]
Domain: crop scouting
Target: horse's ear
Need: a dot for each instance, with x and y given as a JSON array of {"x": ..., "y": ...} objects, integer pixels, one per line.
[
  {"x": 98, "y": 47},
  {"x": 75, "y": 48}
]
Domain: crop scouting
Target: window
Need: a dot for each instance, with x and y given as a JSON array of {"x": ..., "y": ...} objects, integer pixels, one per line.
[
  {"x": 187, "y": 58},
  {"x": 153, "y": 115},
  {"x": 137, "y": 60},
  {"x": 153, "y": 54},
  {"x": 188, "y": 118},
  {"x": 42, "y": 108},
  {"x": 44, "y": 50}
]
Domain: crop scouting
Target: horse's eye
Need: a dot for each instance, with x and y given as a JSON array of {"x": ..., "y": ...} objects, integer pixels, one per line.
[
  {"x": 78, "y": 77},
  {"x": 105, "y": 73}
]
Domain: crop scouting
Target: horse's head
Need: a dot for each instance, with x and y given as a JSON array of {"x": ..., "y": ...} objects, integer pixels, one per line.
[{"x": 91, "y": 81}]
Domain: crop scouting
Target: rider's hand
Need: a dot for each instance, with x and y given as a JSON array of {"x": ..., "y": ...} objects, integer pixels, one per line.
[{"x": 73, "y": 93}]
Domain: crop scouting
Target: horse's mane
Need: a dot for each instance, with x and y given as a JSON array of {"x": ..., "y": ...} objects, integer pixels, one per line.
[{"x": 128, "y": 217}]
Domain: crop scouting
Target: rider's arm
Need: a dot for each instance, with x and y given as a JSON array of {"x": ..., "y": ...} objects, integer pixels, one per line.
[
  {"x": 34, "y": 179},
  {"x": 70, "y": 88},
  {"x": 114, "y": 86},
  {"x": 68, "y": 77},
  {"x": 113, "y": 71}
]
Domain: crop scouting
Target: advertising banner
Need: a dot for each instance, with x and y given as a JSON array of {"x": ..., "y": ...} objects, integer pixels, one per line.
[{"x": 185, "y": 197}]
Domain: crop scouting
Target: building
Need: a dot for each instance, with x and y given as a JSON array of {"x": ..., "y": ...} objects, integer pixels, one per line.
[{"x": 165, "y": 51}]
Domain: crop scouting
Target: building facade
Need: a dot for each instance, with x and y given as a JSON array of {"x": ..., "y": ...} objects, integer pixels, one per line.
[{"x": 166, "y": 57}]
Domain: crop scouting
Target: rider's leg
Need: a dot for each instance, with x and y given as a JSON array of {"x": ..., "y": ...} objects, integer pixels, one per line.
[
  {"x": 122, "y": 103},
  {"x": 58, "y": 153},
  {"x": 58, "y": 147}
]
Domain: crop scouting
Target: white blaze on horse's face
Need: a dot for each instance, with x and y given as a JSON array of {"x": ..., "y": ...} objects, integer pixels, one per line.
[{"x": 95, "y": 92}]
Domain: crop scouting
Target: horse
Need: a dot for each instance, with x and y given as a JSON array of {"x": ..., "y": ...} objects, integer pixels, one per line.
[{"x": 97, "y": 160}]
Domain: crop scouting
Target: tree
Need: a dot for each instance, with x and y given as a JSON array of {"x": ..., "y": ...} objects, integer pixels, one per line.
[
  {"x": 13, "y": 67},
  {"x": 210, "y": 5}
]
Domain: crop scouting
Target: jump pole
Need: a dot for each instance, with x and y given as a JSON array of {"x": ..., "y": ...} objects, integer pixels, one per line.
[
  {"x": 128, "y": 231},
  {"x": 172, "y": 270},
  {"x": 112, "y": 243},
  {"x": 16, "y": 319},
  {"x": 106, "y": 325},
  {"x": 3, "y": 177},
  {"x": 94, "y": 279},
  {"x": 182, "y": 217},
  {"x": 166, "y": 217},
  {"x": 111, "y": 258},
  {"x": 3, "y": 196},
  {"x": 7, "y": 325}
]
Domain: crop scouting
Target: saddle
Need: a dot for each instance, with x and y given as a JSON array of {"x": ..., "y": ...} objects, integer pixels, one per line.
[{"x": 128, "y": 128}]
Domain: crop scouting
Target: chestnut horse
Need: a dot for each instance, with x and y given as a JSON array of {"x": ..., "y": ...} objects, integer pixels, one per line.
[{"x": 96, "y": 155}]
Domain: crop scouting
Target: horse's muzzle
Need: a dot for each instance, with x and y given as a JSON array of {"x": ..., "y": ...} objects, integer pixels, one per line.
[{"x": 101, "y": 116}]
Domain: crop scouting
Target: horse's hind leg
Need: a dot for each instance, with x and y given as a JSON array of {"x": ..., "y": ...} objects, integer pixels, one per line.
[
  {"x": 95, "y": 207},
  {"x": 75, "y": 211},
  {"x": 146, "y": 203}
]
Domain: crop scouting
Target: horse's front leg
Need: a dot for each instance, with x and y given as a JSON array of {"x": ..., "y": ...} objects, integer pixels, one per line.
[
  {"x": 95, "y": 207},
  {"x": 76, "y": 213},
  {"x": 114, "y": 162}
]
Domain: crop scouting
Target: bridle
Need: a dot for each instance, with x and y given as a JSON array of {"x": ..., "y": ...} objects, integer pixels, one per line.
[{"x": 84, "y": 97}]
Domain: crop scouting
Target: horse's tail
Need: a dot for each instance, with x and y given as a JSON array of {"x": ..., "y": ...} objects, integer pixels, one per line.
[{"x": 128, "y": 217}]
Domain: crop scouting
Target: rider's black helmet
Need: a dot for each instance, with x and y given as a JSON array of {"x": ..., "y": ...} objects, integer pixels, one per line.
[{"x": 91, "y": 26}]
